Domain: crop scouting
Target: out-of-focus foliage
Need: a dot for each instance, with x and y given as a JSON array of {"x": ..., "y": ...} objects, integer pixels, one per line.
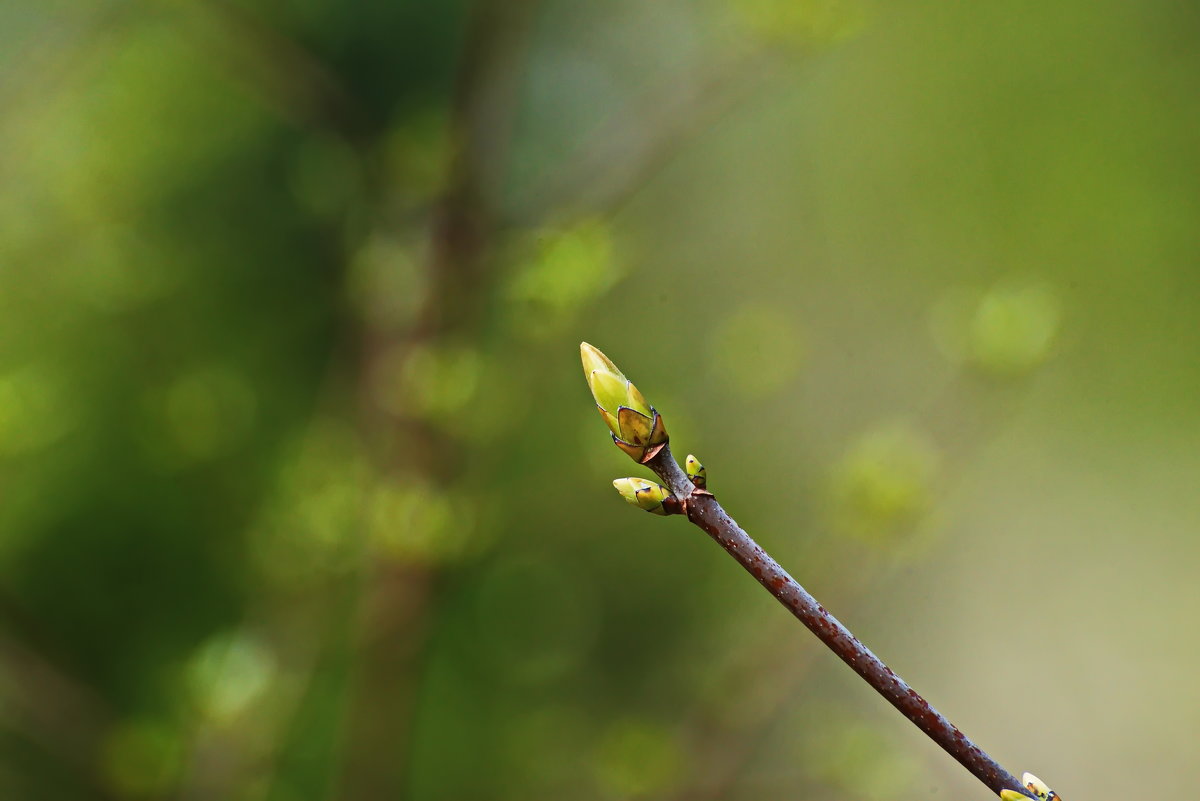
[
  {"x": 883, "y": 486},
  {"x": 556, "y": 274},
  {"x": 301, "y": 496}
]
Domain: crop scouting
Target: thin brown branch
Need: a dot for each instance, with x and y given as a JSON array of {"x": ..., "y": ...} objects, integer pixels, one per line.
[
  {"x": 703, "y": 510},
  {"x": 942, "y": 413},
  {"x": 730, "y": 752}
]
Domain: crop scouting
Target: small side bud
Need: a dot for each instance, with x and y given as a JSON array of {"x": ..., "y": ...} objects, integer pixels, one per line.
[
  {"x": 1013, "y": 795},
  {"x": 1039, "y": 788},
  {"x": 645, "y": 494},
  {"x": 696, "y": 472}
]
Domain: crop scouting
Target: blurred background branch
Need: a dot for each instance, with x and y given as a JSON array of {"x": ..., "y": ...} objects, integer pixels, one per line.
[
  {"x": 633, "y": 144},
  {"x": 460, "y": 245}
]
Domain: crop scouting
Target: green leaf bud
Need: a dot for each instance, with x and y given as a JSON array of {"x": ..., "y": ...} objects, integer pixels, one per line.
[
  {"x": 696, "y": 472},
  {"x": 644, "y": 494},
  {"x": 608, "y": 390},
  {"x": 636, "y": 427}
]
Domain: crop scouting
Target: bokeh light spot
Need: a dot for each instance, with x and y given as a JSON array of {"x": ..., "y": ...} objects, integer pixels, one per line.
[
  {"x": 757, "y": 350},
  {"x": 638, "y": 759},
  {"x": 206, "y": 412},
  {"x": 1014, "y": 328},
  {"x": 800, "y": 23},
  {"x": 564, "y": 270},
  {"x": 141, "y": 758},
  {"x": 883, "y": 487},
  {"x": 228, "y": 673},
  {"x": 501, "y": 405},
  {"x": 411, "y": 521},
  {"x": 384, "y": 284},
  {"x": 308, "y": 527},
  {"x": 1008, "y": 330},
  {"x": 34, "y": 410},
  {"x": 431, "y": 381}
]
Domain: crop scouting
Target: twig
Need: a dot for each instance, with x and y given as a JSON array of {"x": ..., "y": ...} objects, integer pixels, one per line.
[
  {"x": 703, "y": 510},
  {"x": 942, "y": 409}
]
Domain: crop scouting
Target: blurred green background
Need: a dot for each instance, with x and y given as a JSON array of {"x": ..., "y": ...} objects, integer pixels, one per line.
[{"x": 302, "y": 495}]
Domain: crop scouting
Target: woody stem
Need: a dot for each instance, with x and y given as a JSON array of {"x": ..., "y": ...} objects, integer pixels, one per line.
[{"x": 703, "y": 510}]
